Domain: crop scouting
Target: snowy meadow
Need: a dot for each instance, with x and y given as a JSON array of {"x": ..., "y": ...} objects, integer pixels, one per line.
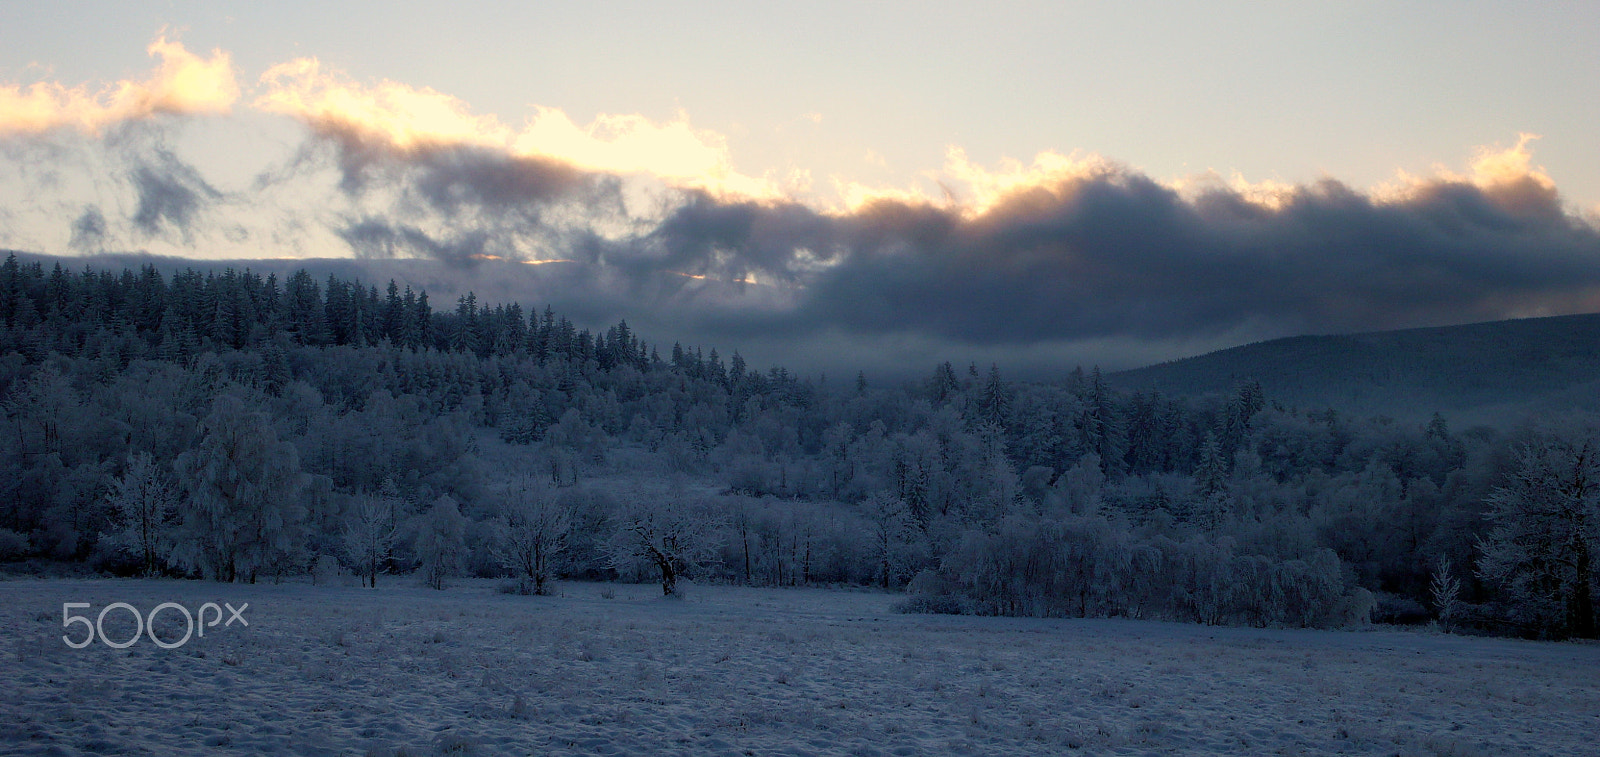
[{"x": 617, "y": 669}]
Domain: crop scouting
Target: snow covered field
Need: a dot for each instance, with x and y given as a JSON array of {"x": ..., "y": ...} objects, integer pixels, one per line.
[{"x": 405, "y": 670}]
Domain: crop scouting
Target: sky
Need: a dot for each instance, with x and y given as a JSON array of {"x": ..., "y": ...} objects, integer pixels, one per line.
[{"x": 830, "y": 185}]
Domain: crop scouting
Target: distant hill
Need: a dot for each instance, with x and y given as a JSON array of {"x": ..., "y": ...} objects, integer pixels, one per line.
[{"x": 1478, "y": 373}]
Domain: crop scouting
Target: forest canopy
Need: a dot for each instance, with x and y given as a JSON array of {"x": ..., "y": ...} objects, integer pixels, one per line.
[{"x": 226, "y": 425}]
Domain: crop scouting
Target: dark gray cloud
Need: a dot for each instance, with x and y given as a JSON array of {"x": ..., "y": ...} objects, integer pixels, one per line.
[
  {"x": 1119, "y": 255},
  {"x": 492, "y": 204},
  {"x": 378, "y": 238},
  {"x": 171, "y": 194},
  {"x": 89, "y": 230},
  {"x": 457, "y": 178},
  {"x": 732, "y": 241},
  {"x": 1109, "y": 260}
]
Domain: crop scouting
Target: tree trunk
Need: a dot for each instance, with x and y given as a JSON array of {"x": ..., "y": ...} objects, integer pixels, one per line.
[
  {"x": 1581, "y": 606},
  {"x": 669, "y": 578},
  {"x": 538, "y": 569},
  {"x": 805, "y": 571},
  {"x": 744, "y": 535}
]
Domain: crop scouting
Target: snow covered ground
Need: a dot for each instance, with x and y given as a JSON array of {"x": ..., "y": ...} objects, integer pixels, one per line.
[{"x": 406, "y": 670}]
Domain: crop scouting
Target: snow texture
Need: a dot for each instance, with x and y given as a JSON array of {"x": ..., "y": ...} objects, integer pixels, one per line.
[{"x": 616, "y": 669}]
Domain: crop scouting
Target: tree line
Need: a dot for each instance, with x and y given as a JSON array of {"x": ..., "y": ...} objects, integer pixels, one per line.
[{"x": 221, "y": 425}]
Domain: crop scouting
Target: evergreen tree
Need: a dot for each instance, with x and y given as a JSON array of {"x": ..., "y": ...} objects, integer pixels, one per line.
[
  {"x": 943, "y": 387},
  {"x": 422, "y": 321},
  {"x": 394, "y": 315},
  {"x": 1211, "y": 476},
  {"x": 994, "y": 402},
  {"x": 1099, "y": 429},
  {"x": 10, "y": 288},
  {"x": 303, "y": 308},
  {"x": 736, "y": 372}
]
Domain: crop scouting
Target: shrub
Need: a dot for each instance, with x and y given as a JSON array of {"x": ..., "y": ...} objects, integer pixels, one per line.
[
  {"x": 13, "y": 546},
  {"x": 934, "y": 604}
]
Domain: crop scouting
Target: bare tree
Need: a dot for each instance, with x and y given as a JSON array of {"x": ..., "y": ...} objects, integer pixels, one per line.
[
  {"x": 672, "y": 534},
  {"x": 369, "y": 533},
  {"x": 142, "y": 502},
  {"x": 742, "y": 519},
  {"x": 440, "y": 541},
  {"x": 534, "y": 532},
  {"x": 1445, "y": 589}
]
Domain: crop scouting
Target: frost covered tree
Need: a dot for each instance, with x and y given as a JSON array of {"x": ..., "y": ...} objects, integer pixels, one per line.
[
  {"x": 1211, "y": 475},
  {"x": 440, "y": 541},
  {"x": 1306, "y": 592},
  {"x": 104, "y": 366},
  {"x": 994, "y": 402},
  {"x": 243, "y": 512},
  {"x": 142, "y": 504},
  {"x": 672, "y": 535},
  {"x": 534, "y": 529},
  {"x": 1546, "y": 533},
  {"x": 1445, "y": 590},
  {"x": 891, "y": 524},
  {"x": 944, "y": 386},
  {"x": 369, "y": 531}
]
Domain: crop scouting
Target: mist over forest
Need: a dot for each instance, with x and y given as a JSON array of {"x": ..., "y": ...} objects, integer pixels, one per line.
[{"x": 231, "y": 425}]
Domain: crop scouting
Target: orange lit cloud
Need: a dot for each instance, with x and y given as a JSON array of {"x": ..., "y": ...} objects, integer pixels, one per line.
[
  {"x": 973, "y": 190},
  {"x": 675, "y": 152},
  {"x": 404, "y": 116},
  {"x": 1492, "y": 167},
  {"x": 1506, "y": 176},
  {"x": 409, "y": 118},
  {"x": 184, "y": 83}
]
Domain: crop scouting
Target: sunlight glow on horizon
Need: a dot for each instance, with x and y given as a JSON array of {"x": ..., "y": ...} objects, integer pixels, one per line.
[{"x": 501, "y": 258}]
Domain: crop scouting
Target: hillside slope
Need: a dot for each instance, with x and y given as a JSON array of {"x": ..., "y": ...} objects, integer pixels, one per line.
[{"x": 1482, "y": 372}]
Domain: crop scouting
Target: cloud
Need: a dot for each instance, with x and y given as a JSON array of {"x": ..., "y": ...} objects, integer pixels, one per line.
[
  {"x": 171, "y": 194},
  {"x": 1057, "y": 252},
  {"x": 110, "y": 141},
  {"x": 377, "y": 238},
  {"x": 1106, "y": 252},
  {"x": 1077, "y": 250},
  {"x": 627, "y": 144},
  {"x": 404, "y": 118},
  {"x": 412, "y": 121},
  {"x": 89, "y": 231},
  {"x": 776, "y": 243},
  {"x": 183, "y": 84},
  {"x": 429, "y": 177}
]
